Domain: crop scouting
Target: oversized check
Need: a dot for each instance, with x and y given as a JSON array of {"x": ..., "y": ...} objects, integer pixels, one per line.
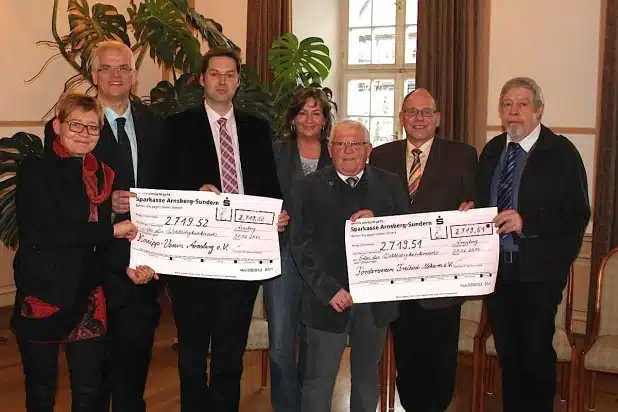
[
  {"x": 424, "y": 255},
  {"x": 202, "y": 234}
]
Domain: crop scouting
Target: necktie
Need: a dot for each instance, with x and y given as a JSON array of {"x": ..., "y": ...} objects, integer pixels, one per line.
[
  {"x": 125, "y": 149},
  {"x": 229, "y": 179},
  {"x": 414, "y": 178},
  {"x": 505, "y": 186},
  {"x": 352, "y": 181}
]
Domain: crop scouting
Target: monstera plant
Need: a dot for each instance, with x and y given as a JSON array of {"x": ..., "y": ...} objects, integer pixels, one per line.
[{"x": 169, "y": 33}]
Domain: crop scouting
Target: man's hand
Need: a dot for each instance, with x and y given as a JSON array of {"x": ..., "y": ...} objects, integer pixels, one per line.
[
  {"x": 341, "y": 301},
  {"x": 210, "y": 188},
  {"x": 141, "y": 275},
  {"x": 508, "y": 221},
  {"x": 362, "y": 214},
  {"x": 120, "y": 201},
  {"x": 466, "y": 206},
  {"x": 284, "y": 220}
]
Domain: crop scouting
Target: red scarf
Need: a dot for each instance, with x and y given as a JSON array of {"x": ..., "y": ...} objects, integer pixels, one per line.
[{"x": 90, "y": 165}]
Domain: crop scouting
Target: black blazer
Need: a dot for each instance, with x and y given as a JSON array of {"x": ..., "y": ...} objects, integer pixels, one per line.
[
  {"x": 317, "y": 241},
  {"x": 552, "y": 201},
  {"x": 193, "y": 159},
  {"x": 119, "y": 288},
  {"x": 447, "y": 181},
  {"x": 61, "y": 257},
  {"x": 289, "y": 168}
]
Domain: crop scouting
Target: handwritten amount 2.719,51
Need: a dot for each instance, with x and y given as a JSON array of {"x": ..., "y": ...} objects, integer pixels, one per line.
[{"x": 401, "y": 244}]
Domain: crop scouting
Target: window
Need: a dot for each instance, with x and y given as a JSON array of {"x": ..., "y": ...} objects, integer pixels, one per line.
[{"x": 379, "y": 62}]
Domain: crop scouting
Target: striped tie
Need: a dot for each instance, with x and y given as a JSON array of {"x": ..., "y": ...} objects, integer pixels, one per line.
[
  {"x": 229, "y": 179},
  {"x": 505, "y": 186},
  {"x": 414, "y": 178}
]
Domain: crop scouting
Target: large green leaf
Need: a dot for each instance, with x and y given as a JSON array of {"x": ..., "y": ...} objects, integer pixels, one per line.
[
  {"x": 86, "y": 29},
  {"x": 12, "y": 152},
  {"x": 167, "y": 99},
  {"x": 162, "y": 28},
  {"x": 209, "y": 30},
  {"x": 305, "y": 62},
  {"x": 252, "y": 98}
]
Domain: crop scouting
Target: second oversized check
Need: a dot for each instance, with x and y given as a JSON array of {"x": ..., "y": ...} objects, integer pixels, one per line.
[
  {"x": 425, "y": 255},
  {"x": 202, "y": 234}
]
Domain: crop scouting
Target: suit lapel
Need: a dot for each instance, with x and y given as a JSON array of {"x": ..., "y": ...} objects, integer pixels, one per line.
[
  {"x": 141, "y": 134},
  {"x": 243, "y": 128}
]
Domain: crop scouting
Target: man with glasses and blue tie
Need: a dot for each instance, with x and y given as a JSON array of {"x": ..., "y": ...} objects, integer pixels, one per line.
[
  {"x": 439, "y": 175},
  {"x": 130, "y": 142},
  {"x": 538, "y": 182},
  {"x": 323, "y": 201}
]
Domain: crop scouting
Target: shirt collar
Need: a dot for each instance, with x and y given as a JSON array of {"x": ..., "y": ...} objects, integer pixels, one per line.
[
  {"x": 344, "y": 177},
  {"x": 111, "y": 115},
  {"x": 527, "y": 142},
  {"x": 425, "y": 147},
  {"x": 214, "y": 116}
]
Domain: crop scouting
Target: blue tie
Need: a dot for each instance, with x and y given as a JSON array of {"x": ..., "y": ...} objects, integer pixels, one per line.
[{"x": 505, "y": 186}]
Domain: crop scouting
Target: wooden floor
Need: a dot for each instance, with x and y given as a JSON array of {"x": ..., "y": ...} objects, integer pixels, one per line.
[{"x": 163, "y": 388}]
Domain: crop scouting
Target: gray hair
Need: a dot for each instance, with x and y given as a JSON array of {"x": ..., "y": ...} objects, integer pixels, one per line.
[
  {"x": 526, "y": 83},
  {"x": 110, "y": 45},
  {"x": 352, "y": 123}
]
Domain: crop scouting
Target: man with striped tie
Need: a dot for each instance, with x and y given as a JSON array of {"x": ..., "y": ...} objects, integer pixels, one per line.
[
  {"x": 439, "y": 175},
  {"x": 538, "y": 182},
  {"x": 218, "y": 148}
]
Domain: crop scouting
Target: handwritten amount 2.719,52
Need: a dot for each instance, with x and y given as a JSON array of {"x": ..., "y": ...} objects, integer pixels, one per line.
[
  {"x": 401, "y": 244},
  {"x": 185, "y": 221}
]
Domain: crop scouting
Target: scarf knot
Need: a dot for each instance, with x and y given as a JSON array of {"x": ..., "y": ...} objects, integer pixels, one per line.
[{"x": 90, "y": 166}]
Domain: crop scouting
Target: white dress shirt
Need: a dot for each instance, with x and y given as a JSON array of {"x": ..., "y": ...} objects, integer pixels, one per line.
[
  {"x": 425, "y": 149},
  {"x": 129, "y": 127},
  {"x": 345, "y": 178},
  {"x": 230, "y": 126}
]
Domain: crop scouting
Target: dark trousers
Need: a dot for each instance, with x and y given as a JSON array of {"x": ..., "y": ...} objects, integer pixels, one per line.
[
  {"x": 425, "y": 342},
  {"x": 86, "y": 360},
  {"x": 522, "y": 319},
  {"x": 215, "y": 313},
  {"x": 130, "y": 338}
]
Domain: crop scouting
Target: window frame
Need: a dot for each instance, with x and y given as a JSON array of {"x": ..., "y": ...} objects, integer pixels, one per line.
[{"x": 400, "y": 71}]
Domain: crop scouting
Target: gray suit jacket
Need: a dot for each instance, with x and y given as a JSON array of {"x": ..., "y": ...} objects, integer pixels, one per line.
[{"x": 318, "y": 246}]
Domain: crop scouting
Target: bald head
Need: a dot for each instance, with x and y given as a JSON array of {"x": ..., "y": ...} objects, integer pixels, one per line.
[{"x": 419, "y": 117}]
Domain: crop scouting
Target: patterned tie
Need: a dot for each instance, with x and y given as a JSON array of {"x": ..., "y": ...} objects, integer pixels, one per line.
[
  {"x": 352, "y": 181},
  {"x": 505, "y": 186},
  {"x": 414, "y": 178},
  {"x": 125, "y": 148},
  {"x": 229, "y": 179}
]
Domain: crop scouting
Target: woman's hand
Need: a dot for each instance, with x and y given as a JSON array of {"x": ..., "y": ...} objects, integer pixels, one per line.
[
  {"x": 125, "y": 230},
  {"x": 142, "y": 274}
]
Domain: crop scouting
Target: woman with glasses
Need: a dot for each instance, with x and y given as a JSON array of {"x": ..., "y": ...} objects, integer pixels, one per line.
[
  {"x": 64, "y": 222},
  {"x": 302, "y": 150}
]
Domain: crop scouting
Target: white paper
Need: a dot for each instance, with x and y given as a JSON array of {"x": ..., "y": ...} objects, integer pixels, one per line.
[
  {"x": 424, "y": 255},
  {"x": 202, "y": 234}
]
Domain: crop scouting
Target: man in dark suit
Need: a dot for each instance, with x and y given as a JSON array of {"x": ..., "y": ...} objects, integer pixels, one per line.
[
  {"x": 130, "y": 140},
  {"x": 216, "y": 148},
  {"x": 538, "y": 182},
  {"x": 439, "y": 175},
  {"x": 323, "y": 201}
]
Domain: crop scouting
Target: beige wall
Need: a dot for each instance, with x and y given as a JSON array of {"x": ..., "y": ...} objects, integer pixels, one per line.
[
  {"x": 556, "y": 42},
  {"x": 304, "y": 25},
  {"x": 231, "y": 14}
]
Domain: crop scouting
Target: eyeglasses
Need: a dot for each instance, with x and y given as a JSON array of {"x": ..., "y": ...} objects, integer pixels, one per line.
[
  {"x": 124, "y": 69},
  {"x": 352, "y": 145},
  {"x": 77, "y": 127},
  {"x": 227, "y": 76},
  {"x": 413, "y": 111}
]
